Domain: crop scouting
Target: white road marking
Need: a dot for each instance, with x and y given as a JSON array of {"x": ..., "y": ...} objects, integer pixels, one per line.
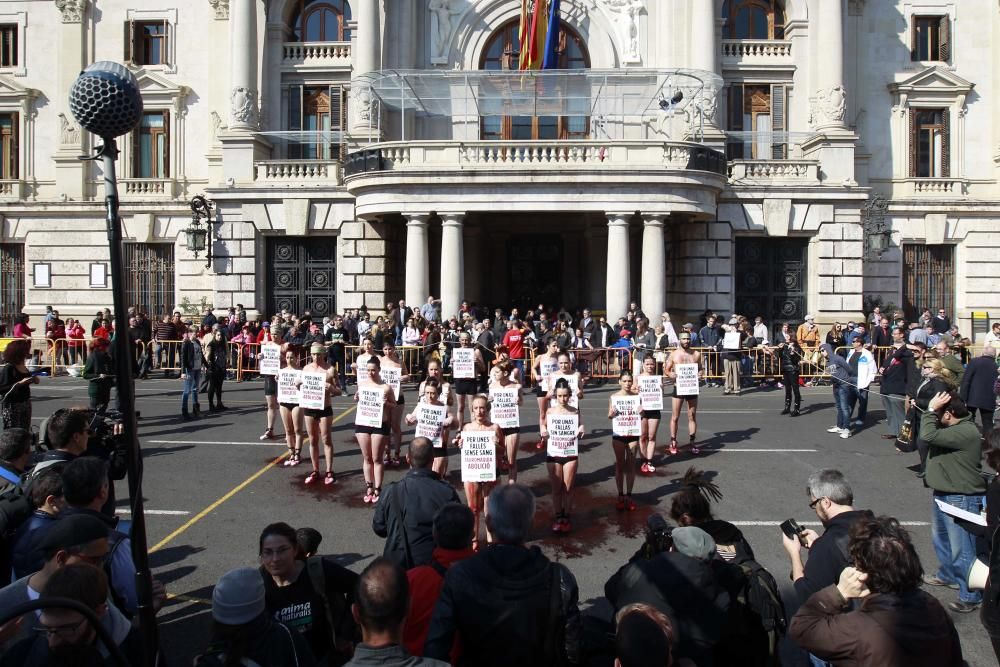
[
  {"x": 125, "y": 510},
  {"x": 735, "y": 448},
  {"x": 264, "y": 443},
  {"x": 815, "y": 523}
]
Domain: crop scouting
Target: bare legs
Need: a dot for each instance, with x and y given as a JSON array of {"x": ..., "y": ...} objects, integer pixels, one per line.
[
  {"x": 319, "y": 430},
  {"x": 476, "y": 494},
  {"x": 293, "y": 434},
  {"x": 624, "y": 466},
  {"x": 510, "y": 443},
  {"x": 561, "y": 476},
  {"x": 647, "y": 440},
  {"x": 372, "y": 448},
  {"x": 272, "y": 413},
  {"x": 395, "y": 432}
]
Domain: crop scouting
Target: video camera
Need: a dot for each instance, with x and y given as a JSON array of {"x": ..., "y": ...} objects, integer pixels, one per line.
[{"x": 659, "y": 538}]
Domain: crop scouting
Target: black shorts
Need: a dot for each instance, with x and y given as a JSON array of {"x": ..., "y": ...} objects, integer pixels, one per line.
[
  {"x": 270, "y": 385},
  {"x": 651, "y": 414},
  {"x": 319, "y": 414},
  {"x": 539, "y": 393},
  {"x": 510, "y": 431},
  {"x": 627, "y": 439},
  {"x": 442, "y": 451},
  {"x": 401, "y": 400},
  {"x": 673, "y": 394},
  {"x": 561, "y": 459},
  {"x": 289, "y": 406},
  {"x": 466, "y": 387},
  {"x": 372, "y": 430}
]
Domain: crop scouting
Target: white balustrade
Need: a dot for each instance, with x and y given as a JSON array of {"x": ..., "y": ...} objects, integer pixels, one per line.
[
  {"x": 316, "y": 54},
  {"x": 774, "y": 170},
  {"x": 148, "y": 187},
  {"x": 11, "y": 190},
  {"x": 937, "y": 186},
  {"x": 756, "y": 52},
  {"x": 284, "y": 172}
]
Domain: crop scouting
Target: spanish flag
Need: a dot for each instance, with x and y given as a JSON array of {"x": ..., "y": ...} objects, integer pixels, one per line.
[{"x": 532, "y": 33}]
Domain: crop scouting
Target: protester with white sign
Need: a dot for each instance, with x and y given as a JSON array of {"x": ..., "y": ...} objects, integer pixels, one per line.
[
  {"x": 375, "y": 400},
  {"x": 505, "y": 403},
  {"x": 625, "y": 409},
  {"x": 270, "y": 359},
  {"x": 318, "y": 382},
  {"x": 361, "y": 361},
  {"x": 432, "y": 419},
  {"x": 650, "y": 386},
  {"x": 287, "y": 382},
  {"x": 679, "y": 369},
  {"x": 562, "y": 432},
  {"x": 445, "y": 392},
  {"x": 273, "y": 365},
  {"x": 545, "y": 366},
  {"x": 394, "y": 373},
  {"x": 567, "y": 373},
  {"x": 467, "y": 366},
  {"x": 479, "y": 441}
]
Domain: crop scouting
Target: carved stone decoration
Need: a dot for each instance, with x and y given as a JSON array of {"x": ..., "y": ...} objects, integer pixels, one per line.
[
  {"x": 243, "y": 107},
  {"x": 363, "y": 103},
  {"x": 626, "y": 16},
  {"x": 442, "y": 28},
  {"x": 72, "y": 10},
  {"x": 828, "y": 107},
  {"x": 221, "y": 8},
  {"x": 69, "y": 132},
  {"x": 702, "y": 109},
  {"x": 217, "y": 126}
]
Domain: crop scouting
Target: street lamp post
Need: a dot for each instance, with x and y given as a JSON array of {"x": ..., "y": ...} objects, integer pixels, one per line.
[{"x": 197, "y": 238}]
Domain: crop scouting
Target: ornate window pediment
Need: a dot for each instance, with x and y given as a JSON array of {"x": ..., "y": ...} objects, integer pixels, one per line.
[
  {"x": 935, "y": 83},
  {"x": 160, "y": 91}
]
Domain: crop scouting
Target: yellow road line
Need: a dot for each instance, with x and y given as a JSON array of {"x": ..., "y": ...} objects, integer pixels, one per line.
[
  {"x": 188, "y": 598},
  {"x": 239, "y": 487}
]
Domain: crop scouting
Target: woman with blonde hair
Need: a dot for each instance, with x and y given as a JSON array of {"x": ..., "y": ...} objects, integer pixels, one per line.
[{"x": 935, "y": 378}]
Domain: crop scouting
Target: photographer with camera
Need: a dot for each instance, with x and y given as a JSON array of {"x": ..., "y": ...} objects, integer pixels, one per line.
[{"x": 891, "y": 621}]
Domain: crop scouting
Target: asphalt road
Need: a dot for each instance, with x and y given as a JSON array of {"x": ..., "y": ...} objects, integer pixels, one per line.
[{"x": 211, "y": 485}]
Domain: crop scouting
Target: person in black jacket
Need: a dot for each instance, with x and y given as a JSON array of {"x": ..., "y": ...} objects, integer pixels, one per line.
[
  {"x": 193, "y": 363},
  {"x": 508, "y": 604},
  {"x": 99, "y": 372},
  {"x": 896, "y": 371},
  {"x": 405, "y": 511},
  {"x": 217, "y": 364},
  {"x": 790, "y": 354},
  {"x": 977, "y": 387}
]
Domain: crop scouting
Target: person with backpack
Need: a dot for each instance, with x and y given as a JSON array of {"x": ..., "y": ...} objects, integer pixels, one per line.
[
  {"x": 15, "y": 505},
  {"x": 312, "y": 596},
  {"x": 45, "y": 495},
  {"x": 243, "y": 633}
]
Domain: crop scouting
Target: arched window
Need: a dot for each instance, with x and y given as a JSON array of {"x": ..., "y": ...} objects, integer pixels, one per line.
[
  {"x": 502, "y": 52},
  {"x": 322, "y": 21},
  {"x": 754, "y": 19}
]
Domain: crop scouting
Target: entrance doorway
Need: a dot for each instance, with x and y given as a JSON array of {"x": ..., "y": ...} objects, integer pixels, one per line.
[
  {"x": 771, "y": 279},
  {"x": 302, "y": 275},
  {"x": 535, "y": 270},
  {"x": 928, "y": 279}
]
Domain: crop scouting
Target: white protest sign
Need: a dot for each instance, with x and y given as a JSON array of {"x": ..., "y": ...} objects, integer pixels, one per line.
[
  {"x": 270, "y": 359},
  {"x": 463, "y": 363},
  {"x": 651, "y": 392},
  {"x": 392, "y": 376},
  {"x": 370, "y": 404},
  {"x": 546, "y": 367},
  {"x": 687, "y": 379},
  {"x": 288, "y": 385},
  {"x": 626, "y": 423},
  {"x": 312, "y": 391},
  {"x": 430, "y": 422},
  {"x": 562, "y": 435},
  {"x": 731, "y": 340},
  {"x": 574, "y": 387},
  {"x": 479, "y": 456},
  {"x": 504, "y": 407}
]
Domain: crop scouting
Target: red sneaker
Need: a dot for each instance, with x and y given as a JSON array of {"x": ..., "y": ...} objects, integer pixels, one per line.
[
  {"x": 630, "y": 504},
  {"x": 620, "y": 504},
  {"x": 566, "y": 526},
  {"x": 311, "y": 477},
  {"x": 673, "y": 446},
  {"x": 644, "y": 468},
  {"x": 557, "y": 526}
]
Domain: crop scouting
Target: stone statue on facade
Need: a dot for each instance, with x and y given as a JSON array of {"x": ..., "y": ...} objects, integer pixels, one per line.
[
  {"x": 243, "y": 106},
  {"x": 72, "y": 10},
  {"x": 829, "y": 107},
  {"x": 221, "y": 8},
  {"x": 69, "y": 132},
  {"x": 628, "y": 12},
  {"x": 441, "y": 27}
]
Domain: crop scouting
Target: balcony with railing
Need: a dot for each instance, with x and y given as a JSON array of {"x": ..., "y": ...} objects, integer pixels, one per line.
[
  {"x": 11, "y": 190},
  {"x": 935, "y": 187},
  {"x": 304, "y": 56},
  {"x": 301, "y": 173},
  {"x": 147, "y": 188},
  {"x": 757, "y": 54}
]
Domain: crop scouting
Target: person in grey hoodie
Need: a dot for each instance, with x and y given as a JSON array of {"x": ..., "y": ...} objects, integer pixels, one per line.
[{"x": 839, "y": 370}]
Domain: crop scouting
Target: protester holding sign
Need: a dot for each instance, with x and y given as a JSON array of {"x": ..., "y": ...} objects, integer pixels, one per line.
[
  {"x": 562, "y": 432},
  {"x": 467, "y": 365},
  {"x": 317, "y": 383},
  {"x": 651, "y": 395},
  {"x": 479, "y": 440},
  {"x": 445, "y": 393},
  {"x": 624, "y": 409},
  {"x": 678, "y": 369},
  {"x": 505, "y": 401},
  {"x": 361, "y": 362},
  {"x": 375, "y": 400},
  {"x": 572, "y": 378},
  {"x": 432, "y": 419},
  {"x": 545, "y": 366},
  {"x": 288, "y": 400},
  {"x": 394, "y": 372},
  {"x": 270, "y": 364}
]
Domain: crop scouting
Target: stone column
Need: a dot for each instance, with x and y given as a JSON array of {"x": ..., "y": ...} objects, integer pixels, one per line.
[
  {"x": 366, "y": 56},
  {"x": 452, "y": 264},
  {"x": 705, "y": 54},
  {"x": 417, "y": 263},
  {"x": 829, "y": 102},
  {"x": 652, "y": 295},
  {"x": 618, "y": 289},
  {"x": 243, "y": 94},
  {"x": 71, "y": 173}
]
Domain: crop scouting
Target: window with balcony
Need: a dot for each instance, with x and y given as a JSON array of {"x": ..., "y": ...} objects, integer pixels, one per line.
[
  {"x": 8, "y": 45},
  {"x": 930, "y": 151},
  {"x": 8, "y": 147},
  {"x": 147, "y": 42},
  {"x": 930, "y": 39},
  {"x": 317, "y": 111},
  {"x": 502, "y": 52},
  {"x": 754, "y": 19},
  {"x": 151, "y": 146},
  {"x": 322, "y": 21},
  {"x": 756, "y": 122}
]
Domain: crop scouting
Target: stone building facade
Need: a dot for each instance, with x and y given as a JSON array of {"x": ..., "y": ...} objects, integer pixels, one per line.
[{"x": 836, "y": 151}]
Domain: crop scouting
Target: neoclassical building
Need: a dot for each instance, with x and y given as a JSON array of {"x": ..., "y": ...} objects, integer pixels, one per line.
[{"x": 771, "y": 157}]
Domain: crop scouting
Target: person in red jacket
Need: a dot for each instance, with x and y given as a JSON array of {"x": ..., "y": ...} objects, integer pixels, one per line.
[
  {"x": 452, "y": 532},
  {"x": 513, "y": 340}
]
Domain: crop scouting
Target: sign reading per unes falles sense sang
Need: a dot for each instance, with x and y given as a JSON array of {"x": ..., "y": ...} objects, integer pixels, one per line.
[
  {"x": 504, "y": 407},
  {"x": 392, "y": 376},
  {"x": 626, "y": 422},
  {"x": 288, "y": 385},
  {"x": 687, "y": 379},
  {"x": 312, "y": 391},
  {"x": 270, "y": 359},
  {"x": 562, "y": 435},
  {"x": 430, "y": 422},
  {"x": 479, "y": 456},
  {"x": 463, "y": 363},
  {"x": 651, "y": 392},
  {"x": 370, "y": 405}
]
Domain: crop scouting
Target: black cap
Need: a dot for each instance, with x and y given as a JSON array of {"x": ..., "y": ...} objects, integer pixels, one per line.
[{"x": 73, "y": 531}]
